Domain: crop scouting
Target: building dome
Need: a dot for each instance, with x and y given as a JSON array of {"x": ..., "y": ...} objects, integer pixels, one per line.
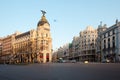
[
  {"x": 89, "y": 28},
  {"x": 42, "y": 21}
]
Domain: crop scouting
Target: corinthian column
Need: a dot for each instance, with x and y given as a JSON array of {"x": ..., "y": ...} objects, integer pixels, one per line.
[{"x": 44, "y": 57}]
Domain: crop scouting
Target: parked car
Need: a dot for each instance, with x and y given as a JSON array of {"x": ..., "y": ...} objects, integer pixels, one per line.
[
  {"x": 105, "y": 61},
  {"x": 73, "y": 61}
]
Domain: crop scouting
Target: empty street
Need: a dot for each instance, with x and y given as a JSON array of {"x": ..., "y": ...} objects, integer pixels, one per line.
[{"x": 61, "y": 71}]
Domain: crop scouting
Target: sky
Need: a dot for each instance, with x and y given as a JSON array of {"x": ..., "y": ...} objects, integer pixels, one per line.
[{"x": 66, "y": 17}]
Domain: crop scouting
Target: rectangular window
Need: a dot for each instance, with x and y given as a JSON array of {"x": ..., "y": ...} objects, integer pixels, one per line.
[
  {"x": 108, "y": 42},
  {"x": 113, "y": 44},
  {"x": 104, "y": 36},
  {"x": 104, "y": 46},
  {"x": 113, "y": 31},
  {"x": 108, "y": 33}
]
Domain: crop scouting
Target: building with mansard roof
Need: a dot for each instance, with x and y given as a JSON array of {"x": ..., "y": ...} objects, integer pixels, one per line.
[
  {"x": 31, "y": 46},
  {"x": 87, "y": 44},
  {"x": 100, "y": 29},
  {"x": 109, "y": 43}
]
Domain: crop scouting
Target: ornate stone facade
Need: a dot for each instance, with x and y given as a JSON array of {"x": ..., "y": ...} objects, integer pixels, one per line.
[
  {"x": 82, "y": 48},
  {"x": 110, "y": 43},
  {"x": 0, "y": 46},
  {"x": 75, "y": 48},
  {"x": 88, "y": 44},
  {"x": 100, "y": 29},
  {"x": 31, "y": 46}
]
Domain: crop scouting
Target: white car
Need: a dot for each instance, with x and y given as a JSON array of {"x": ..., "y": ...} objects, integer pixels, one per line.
[{"x": 73, "y": 61}]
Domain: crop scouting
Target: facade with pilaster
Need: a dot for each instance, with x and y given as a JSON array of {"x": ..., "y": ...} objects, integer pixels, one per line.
[
  {"x": 75, "y": 48},
  {"x": 110, "y": 43},
  {"x": 0, "y": 46},
  {"x": 100, "y": 29},
  {"x": 30, "y": 46},
  {"x": 88, "y": 44}
]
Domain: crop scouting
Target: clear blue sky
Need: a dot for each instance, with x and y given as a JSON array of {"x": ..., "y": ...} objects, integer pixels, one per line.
[{"x": 66, "y": 17}]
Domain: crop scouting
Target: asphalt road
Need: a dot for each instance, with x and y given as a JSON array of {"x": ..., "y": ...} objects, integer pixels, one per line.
[{"x": 61, "y": 71}]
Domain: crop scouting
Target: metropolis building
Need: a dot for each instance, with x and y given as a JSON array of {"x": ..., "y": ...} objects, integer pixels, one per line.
[{"x": 30, "y": 46}]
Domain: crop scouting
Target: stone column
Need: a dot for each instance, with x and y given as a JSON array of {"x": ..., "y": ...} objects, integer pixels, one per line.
[
  {"x": 38, "y": 57},
  {"x": 29, "y": 58},
  {"x": 44, "y": 57}
]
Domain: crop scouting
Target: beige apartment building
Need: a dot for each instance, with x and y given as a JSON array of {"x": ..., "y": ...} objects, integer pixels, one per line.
[
  {"x": 87, "y": 44},
  {"x": 0, "y": 46},
  {"x": 75, "y": 48},
  {"x": 31, "y": 46},
  {"x": 6, "y": 48},
  {"x": 7, "y": 45},
  {"x": 61, "y": 53},
  {"x": 82, "y": 48}
]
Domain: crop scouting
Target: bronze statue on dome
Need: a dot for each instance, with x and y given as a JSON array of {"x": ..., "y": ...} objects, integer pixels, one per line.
[{"x": 43, "y": 12}]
